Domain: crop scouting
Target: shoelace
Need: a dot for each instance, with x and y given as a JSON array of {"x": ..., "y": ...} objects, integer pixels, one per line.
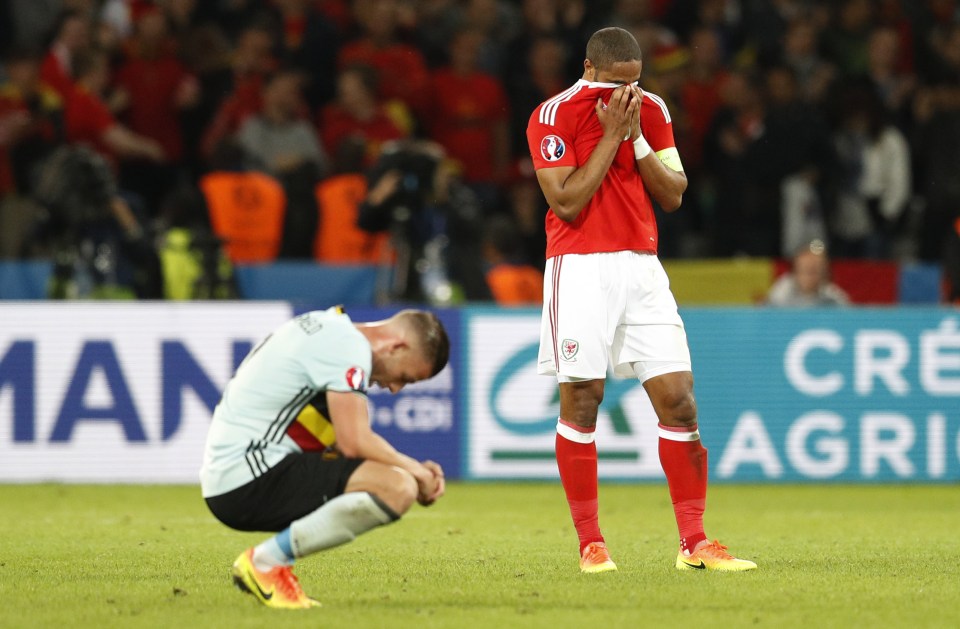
[
  {"x": 717, "y": 549},
  {"x": 596, "y": 552}
]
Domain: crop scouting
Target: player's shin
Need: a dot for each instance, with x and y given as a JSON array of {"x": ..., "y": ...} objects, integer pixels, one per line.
[
  {"x": 684, "y": 462},
  {"x": 576, "y": 454},
  {"x": 339, "y": 521}
]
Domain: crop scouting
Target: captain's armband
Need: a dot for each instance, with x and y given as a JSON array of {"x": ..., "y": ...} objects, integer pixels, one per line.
[{"x": 670, "y": 158}]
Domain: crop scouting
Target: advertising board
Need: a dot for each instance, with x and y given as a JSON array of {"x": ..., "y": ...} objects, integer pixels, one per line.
[
  {"x": 117, "y": 392},
  {"x": 791, "y": 395}
]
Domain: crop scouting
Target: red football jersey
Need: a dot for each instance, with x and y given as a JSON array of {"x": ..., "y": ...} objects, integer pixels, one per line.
[
  {"x": 563, "y": 131},
  {"x": 86, "y": 119}
]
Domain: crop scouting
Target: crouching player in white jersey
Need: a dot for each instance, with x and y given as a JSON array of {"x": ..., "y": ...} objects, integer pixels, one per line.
[{"x": 291, "y": 451}]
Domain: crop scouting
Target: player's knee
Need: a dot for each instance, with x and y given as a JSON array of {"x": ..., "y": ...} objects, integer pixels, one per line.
[
  {"x": 582, "y": 414},
  {"x": 579, "y": 401},
  {"x": 680, "y": 408}
]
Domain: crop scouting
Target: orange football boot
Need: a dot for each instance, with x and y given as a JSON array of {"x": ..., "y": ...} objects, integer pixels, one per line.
[
  {"x": 596, "y": 558},
  {"x": 277, "y": 588}
]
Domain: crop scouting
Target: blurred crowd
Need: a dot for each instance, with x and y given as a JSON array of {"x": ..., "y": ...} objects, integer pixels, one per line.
[{"x": 149, "y": 145}]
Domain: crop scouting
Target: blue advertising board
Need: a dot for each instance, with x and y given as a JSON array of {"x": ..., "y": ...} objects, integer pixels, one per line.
[
  {"x": 784, "y": 395},
  {"x": 124, "y": 392},
  {"x": 829, "y": 395}
]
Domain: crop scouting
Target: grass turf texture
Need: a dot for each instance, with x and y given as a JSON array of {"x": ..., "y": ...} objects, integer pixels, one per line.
[{"x": 492, "y": 555}]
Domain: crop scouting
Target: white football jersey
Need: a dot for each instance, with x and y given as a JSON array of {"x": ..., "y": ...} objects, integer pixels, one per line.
[{"x": 275, "y": 404}]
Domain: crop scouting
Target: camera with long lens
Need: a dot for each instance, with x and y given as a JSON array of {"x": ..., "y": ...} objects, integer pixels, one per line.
[
  {"x": 417, "y": 166},
  {"x": 94, "y": 255},
  {"x": 416, "y": 217},
  {"x": 76, "y": 187}
]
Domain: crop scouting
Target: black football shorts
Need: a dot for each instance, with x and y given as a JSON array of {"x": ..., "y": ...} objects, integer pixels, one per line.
[{"x": 298, "y": 485}]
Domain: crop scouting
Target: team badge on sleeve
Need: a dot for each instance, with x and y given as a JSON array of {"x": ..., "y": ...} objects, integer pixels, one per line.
[
  {"x": 355, "y": 379},
  {"x": 552, "y": 148}
]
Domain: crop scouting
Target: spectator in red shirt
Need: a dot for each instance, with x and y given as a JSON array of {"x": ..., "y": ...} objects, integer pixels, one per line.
[
  {"x": 156, "y": 89},
  {"x": 72, "y": 36},
  {"x": 469, "y": 113},
  {"x": 252, "y": 61},
  {"x": 31, "y": 127},
  {"x": 401, "y": 69},
  {"x": 31, "y": 121},
  {"x": 356, "y": 113},
  {"x": 156, "y": 84},
  {"x": 89, "y": 120}
]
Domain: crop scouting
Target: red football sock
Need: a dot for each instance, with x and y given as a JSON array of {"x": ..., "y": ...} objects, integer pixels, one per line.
[
  {"x": 684, "y": 461},
  {"x": 577, "y": 461}
]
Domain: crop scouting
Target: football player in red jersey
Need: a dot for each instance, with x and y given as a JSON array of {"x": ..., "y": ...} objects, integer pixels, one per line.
[{"x": 604, "y": 151}]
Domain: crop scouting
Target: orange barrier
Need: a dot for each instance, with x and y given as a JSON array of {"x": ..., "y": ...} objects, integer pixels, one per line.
[
  {"x": 515, "y": 285},
  {"x": 246, "y": 210},
  {"x": 339, "y": 240}
]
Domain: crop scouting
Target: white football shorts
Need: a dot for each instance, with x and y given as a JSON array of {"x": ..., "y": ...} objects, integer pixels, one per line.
[{"x": 613, "y": 309}]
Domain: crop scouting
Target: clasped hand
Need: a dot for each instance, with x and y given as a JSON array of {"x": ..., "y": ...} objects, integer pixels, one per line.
[
  {"x": 620, "y": 118},
  {"x": 432, "y": 485}
]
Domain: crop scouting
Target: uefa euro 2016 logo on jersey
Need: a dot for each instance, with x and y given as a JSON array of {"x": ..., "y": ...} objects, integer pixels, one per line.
[
  {"x": 355, "y": 378},
  {"x": 552, "y": 148}
]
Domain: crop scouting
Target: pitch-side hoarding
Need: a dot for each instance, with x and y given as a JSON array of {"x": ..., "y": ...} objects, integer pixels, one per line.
[
  {"x": 123, "y": 392},
  {"x": 794, "y": 395}
]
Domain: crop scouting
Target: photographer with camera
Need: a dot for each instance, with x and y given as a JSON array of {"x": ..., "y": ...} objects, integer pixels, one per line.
[
  {"x": 433, "y": 218},
  {"x": 98, "y": 245}
]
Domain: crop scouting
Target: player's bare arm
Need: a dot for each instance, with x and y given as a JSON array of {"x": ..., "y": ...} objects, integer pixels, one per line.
[
  {"x": 355, "y": 439},
  {"x": 569, "y": 189},
  {"x": 665, "y": 185}
]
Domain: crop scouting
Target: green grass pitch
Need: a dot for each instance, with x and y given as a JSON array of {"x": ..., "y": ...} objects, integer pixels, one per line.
[{"x": 493, "y": 555}]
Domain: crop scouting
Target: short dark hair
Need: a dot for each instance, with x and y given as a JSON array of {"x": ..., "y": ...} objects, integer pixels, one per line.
[
  {"x": 612, "y": 45},
  {"x": 432, "y": 336}
]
